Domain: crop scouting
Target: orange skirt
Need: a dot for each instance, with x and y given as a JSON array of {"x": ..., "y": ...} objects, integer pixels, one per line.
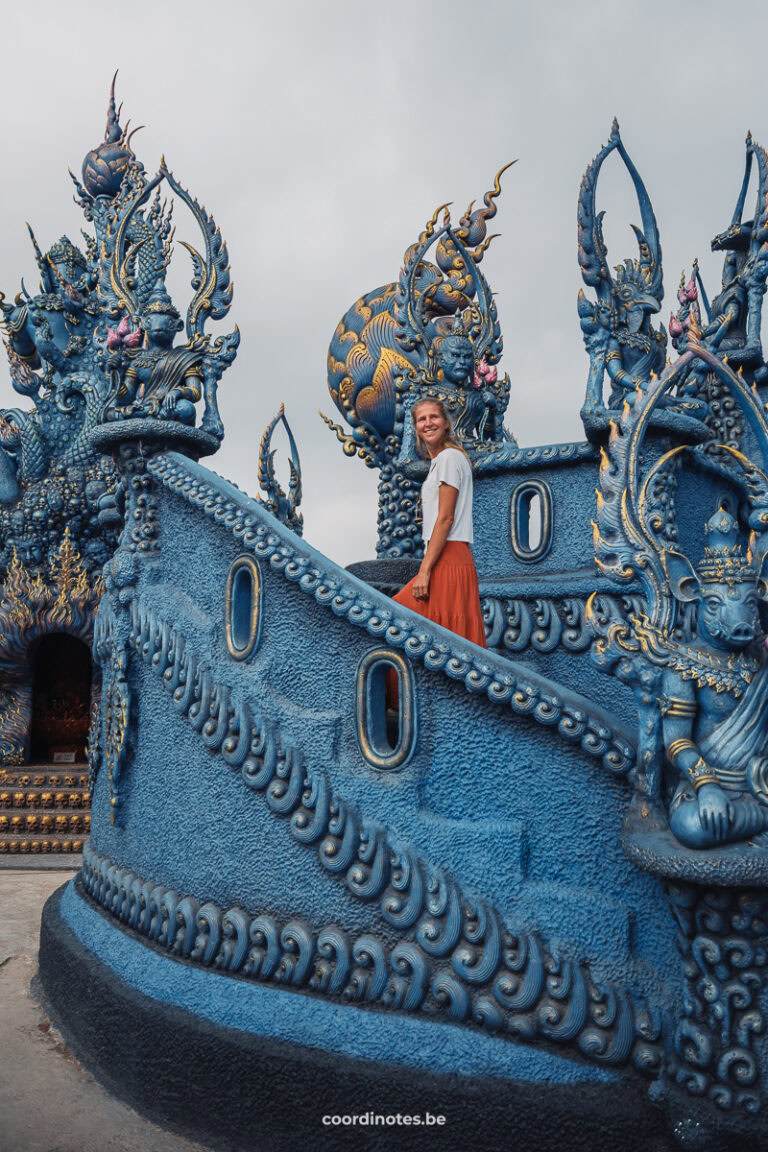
[{"x": 454, "y": 597}]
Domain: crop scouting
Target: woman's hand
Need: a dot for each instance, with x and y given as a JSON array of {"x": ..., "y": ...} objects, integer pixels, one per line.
[
  {"x": 446, "y": 507},
  {"x": 420, "y": 586}
]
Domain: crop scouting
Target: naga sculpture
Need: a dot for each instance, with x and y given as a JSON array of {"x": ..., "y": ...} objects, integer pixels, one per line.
[
  {"x": 617, "y": 329},
  {"x": 730, "y": 326},
  {"x": 141, "y": 373},
  {"x": 704, "y": 695},
  {"x": 98, "y": 337},
  {"x": 396, "y": 328},
  {"x": 434, "y": 333},
  {"x": 734, "y": 316},
  {"x": 699, "y": 816},
  {"x": 92, "y": 347},
  {"x": 618, "y": 333}
]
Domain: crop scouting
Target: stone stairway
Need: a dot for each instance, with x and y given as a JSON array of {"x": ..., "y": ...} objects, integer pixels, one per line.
[{"x": 44, "y": 808}]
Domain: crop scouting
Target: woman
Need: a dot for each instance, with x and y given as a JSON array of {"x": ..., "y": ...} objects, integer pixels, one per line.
[{"x": 445, "y": 587}]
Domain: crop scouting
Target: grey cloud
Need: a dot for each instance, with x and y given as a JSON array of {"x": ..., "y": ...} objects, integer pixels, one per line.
[{"x": 322, "y": 136}]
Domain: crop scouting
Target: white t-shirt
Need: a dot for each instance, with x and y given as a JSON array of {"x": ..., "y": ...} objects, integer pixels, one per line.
[{"x": 449, "y": 467}]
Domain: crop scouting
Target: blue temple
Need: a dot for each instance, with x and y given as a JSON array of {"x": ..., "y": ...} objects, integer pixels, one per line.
[{"x": 540, "y": 896}]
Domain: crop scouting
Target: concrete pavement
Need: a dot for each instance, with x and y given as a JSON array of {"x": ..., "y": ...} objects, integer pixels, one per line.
[{"x": 48, "y": 1101}]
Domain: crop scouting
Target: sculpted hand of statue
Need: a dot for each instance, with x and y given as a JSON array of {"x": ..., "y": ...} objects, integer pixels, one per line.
[{"x": 715, "y": 812}]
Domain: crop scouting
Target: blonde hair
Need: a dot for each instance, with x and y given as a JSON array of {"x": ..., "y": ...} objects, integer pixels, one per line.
[{"x": 451, "y": 439}]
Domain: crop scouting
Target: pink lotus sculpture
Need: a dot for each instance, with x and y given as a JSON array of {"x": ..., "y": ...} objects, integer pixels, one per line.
[
  {"x": 485, "y": 373},
  {"x": 123, "y": 336}
]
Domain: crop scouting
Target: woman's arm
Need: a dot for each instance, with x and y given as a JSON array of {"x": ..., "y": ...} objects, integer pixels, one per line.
[{"x": 446, "y": 508}]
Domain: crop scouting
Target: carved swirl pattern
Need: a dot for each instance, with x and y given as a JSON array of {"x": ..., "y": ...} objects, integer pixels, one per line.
[
  {"x": 547, "y": 624},
  {"x": 725, "y": 418},
  {"x": 140, "y": 530},
  {"x": 526, "y": 693},
  {"x": 399, "y": 514},
  {"x": 458, "y": 959},
  {"x": 546, "y": 454},
  {"x": 723, "y": 940},
  {"x": 491, "y": 458}
]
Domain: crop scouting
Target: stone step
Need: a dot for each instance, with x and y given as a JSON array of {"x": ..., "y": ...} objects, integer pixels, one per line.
[
  {"x": 44, "y": 809},
  {"x": 36, "y": 778},
  {"x": 44, "y": 798},
  {"x": 44, "y": 823},
  {"x": 33, "y": 845}
]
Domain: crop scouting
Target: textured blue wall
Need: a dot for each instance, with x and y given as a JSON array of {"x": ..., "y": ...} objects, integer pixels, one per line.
[
  {"x": 517, "y": 813},
  {"x": 567, "y": 570},
  {"x": 264, "y": 1011},
  {"x": 573, "y": 489}
]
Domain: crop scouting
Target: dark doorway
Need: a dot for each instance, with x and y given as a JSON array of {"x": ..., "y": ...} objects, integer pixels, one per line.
[{"x": 62, "y": 699}]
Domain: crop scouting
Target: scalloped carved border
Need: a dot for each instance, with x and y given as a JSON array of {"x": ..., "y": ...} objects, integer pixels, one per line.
[
  {"x": 552, "y": 1006},
  {"x": 528, "y": 694},
  {"x": 459, "y": 958}
]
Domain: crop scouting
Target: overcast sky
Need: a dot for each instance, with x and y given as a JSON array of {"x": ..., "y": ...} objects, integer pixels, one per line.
[{"x": 322, "y": 135}]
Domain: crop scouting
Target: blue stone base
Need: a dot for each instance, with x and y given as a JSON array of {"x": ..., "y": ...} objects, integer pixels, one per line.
[{"x": 208, "y": 1055}]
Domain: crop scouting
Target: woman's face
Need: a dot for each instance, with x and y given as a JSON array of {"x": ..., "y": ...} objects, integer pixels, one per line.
[{"x": 431, "y": 425}]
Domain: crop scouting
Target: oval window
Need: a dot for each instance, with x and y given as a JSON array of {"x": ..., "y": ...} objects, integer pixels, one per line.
[
  {"x": 531, "y": 520},
  {"x": 386, "y": 714},
  {"x": 243, "y": 607}
]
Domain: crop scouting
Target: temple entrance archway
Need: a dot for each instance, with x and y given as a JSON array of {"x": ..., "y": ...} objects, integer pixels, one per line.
[
  {"x": 45, "y": 804},
  {"x": 61, "y": 675}
]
